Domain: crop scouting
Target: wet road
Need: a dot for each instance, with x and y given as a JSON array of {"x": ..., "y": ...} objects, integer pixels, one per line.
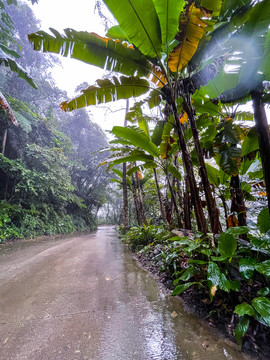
[{"x": 86, "y": 298}]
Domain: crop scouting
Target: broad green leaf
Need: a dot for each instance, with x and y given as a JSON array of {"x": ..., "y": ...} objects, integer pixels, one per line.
[
  {"x": 264, "y": 221},
  {"x": 106, "y": 91},
  {"x": 116, "y": 33},
  {"x": 262, "y": 305},
  {"x": 230, "y": 132},
  {"x": 224, "y": 283},
  {"x": 180, "y": 288},
  {"x": 264, "y": 291},
  {"x": 241, "y": 329},
  {"x": 244, "y": 309},
  {"x": 264, "y": 268},
  {"x": 199, "y": 262},
  {"x": 250, "y": 143},
  {"x": 12, "y": 64},
  {"x": 213, "y": 274},
  {"x": 213, "y": 175},
  {"x": 137, "y": 139},
  {"x": 212, "y": 5},
  {"x": 168, "y": 12},
  {"x": 227, "y": 244},
  {"x": 265, "y": 66},
  {"x": 247, "y": 267},
  {"x": 118, "y": 172},
  {"x": 156, "y": 137},
  {"x": 92, "y": 49},
  {"x": 142, "y": 122},
  {"x": 129, "y": 158},
  {"x": 8, "y": 51},
  {"x": 139, "y": 20},
  {"x": 235, "y": 285},
  {"x": 238, "y": 230},
  {"x": 188, "y": 274},
  {"x": 228, "y": 158},
  {"x": 172, "y": 169}
]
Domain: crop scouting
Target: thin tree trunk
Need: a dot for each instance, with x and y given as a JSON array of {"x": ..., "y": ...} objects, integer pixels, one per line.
[
  {"x": 4, "y": 141},
  {"x": 136, "y": 203},
  {"x": 179, "y": 221},
  {"x": 238, "y": 204},
  {"x": 200, "y": 218},
  {"x": 162, "y": 209},
  {"x": 140, "y": 197},
  {"x": 124, "y": 184},
  {"x": 210, "y": 200},
  {"x": 187, "y": 206},
  {"x": 263, "y": 132}
]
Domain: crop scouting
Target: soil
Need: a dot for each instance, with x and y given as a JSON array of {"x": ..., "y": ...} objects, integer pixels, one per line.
[{"x": 217, "y": 314}]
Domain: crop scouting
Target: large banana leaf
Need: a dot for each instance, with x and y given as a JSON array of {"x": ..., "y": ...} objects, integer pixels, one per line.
[
  {"x": 191, "y": 28},
  {"x": 15, "y": 67},
  {"x": 129, "y": 158},
  {"x": 139, "y": 21},
  {"x": 168, "y": 12},
  {"x": 138, "y": 139},
  {"x": 116, "y": 33},
  {"x": 107, "y": 91},
  {"x": 92, "y": 49}
]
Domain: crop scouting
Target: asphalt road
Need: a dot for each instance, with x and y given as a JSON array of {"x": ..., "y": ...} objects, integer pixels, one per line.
[{"x": 85, "y": 297}]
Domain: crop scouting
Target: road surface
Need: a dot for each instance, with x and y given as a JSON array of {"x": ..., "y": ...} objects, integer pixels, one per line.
[{"x": 85, "y": 297}]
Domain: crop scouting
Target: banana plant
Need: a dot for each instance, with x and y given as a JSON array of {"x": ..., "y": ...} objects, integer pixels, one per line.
[{"x": 155, "y": 46}]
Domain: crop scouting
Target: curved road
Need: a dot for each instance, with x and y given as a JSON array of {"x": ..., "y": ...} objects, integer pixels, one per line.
[{"x": 85, "y": 297}]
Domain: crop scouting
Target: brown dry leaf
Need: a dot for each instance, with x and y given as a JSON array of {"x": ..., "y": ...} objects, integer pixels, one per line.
[
  {"x": 213, "y": 290},
  {"x": 232, "y": 221}
]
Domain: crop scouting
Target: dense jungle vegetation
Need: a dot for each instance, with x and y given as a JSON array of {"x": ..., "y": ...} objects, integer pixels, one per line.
[
  {"x": 50, "y": 179},
  {"x": 189, "y": 156}
]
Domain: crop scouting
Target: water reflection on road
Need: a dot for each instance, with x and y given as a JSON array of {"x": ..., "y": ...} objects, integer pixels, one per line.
[{"x": 85, "y": 298}]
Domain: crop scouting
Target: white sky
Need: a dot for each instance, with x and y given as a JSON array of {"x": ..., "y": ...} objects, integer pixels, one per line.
[{"x": 78, "y": 15}]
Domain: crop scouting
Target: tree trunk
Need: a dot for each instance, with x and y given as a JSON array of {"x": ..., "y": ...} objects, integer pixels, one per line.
[
  {"x": 263, "y": 132},
  {"x": 187, "y": 206},
  {"x": 124, "y": 184},
  {"x": 136, "y": 203},
  {"x": 162, "y": 209},
  {"x": 210, "y": 200},
  {"x": 142, "y": 212},
  {"x": 238, "y": 204},
  {"x": 4, "y": 141},
  {"x": 179, "y": 221},
  {"x": 200, "y": 218}
]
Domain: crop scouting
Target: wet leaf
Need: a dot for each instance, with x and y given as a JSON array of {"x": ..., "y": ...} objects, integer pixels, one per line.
[
  {"x": 213, "y": 273},
  {"x": 264, "y": 291},
  {"x": 188, "y": 274},
  {"x": 235, "y": 285},
  {"x": 180, "y": 288},
  {"x": 262, "y": 305},
  {"x": 247, "y": 267},
  {"x": 238, "y": 230},
  {"x": 241, "y": 329},
  {"x": 244, "y": 309},
  {"x": 264, "y": 221},
  {"x": 264, "y": 268},
  {"x": 227, "y": 244}
]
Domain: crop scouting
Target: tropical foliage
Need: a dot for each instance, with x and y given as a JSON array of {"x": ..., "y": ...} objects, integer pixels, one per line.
[{"x": 192, "y": 158}]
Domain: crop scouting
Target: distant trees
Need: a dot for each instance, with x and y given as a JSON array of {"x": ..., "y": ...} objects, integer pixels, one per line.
[{"x": 50, "y": 180}]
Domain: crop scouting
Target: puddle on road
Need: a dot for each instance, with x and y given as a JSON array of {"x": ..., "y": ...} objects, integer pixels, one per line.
[{"x": 146, "y": 324}]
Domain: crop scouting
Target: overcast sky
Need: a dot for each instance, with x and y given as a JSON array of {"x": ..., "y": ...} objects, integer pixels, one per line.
[{"x": 81, "y": 16}]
